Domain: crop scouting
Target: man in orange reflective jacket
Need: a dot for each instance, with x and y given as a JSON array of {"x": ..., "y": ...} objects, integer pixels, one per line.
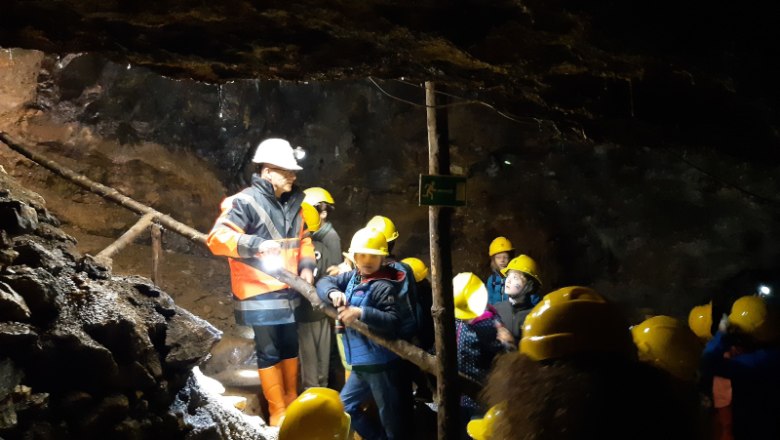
[{"x": 261, "y": 229}]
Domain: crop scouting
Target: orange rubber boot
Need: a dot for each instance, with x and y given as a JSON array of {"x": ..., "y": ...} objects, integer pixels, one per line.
[
  {"x": 290, "y": 375},
  {"x": 273, "y": 389}
]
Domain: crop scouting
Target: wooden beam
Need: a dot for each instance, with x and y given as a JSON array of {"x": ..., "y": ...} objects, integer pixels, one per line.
[
  {"x": 104, "y": 191},
  {"x": 443, "y": 309},
  {"x": 140, "y": 226},
  {"x": 156, "y": 252}
]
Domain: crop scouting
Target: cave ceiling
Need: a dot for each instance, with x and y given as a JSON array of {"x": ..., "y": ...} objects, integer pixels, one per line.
[{"x": 694, "y": 72}]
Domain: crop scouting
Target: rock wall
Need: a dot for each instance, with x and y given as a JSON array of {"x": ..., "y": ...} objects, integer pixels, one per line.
[{"x": 85, "y": 354}]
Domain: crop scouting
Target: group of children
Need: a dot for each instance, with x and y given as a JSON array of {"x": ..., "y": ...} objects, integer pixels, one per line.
[{"x": 565, "y": 365}]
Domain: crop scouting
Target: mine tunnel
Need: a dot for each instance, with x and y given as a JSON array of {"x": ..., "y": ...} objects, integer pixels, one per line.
[{"x": 620, "y": 159}]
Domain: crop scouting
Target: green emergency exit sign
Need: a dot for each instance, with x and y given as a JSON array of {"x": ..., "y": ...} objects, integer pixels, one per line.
[{"x": 442, "y": 190}]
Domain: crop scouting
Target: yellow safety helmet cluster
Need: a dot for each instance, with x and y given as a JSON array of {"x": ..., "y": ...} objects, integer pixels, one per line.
[
  {"x": 311, "y": 217},
  {"x": 482, "y": 429},
  {"x": 751, "y": 316},
  {"x": 419, "y": 268},
  {"x": 470, "y": 296},
  {"x": 669, "y": 345},
  {"x": 368, "y": 241},
  {"x": 525, "y": 264},
  {"x": 574, "y": 320},
  {"x": 498, "y": 245},
  {"x": 384, "y": 224},
  {"x": 317, "y": 414},
  {"x": 316, "y": 195},
  {"x": 700, "y": 321}
]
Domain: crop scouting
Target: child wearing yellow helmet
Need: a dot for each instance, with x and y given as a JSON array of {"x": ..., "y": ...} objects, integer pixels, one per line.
[
  {"x": 368, "y": 294},
  {"x": 500, "y": 252},
  {"x": 746, "y": 351},
  {"x": 480, "y": 336},
  {"x": 521, "y": 288}
]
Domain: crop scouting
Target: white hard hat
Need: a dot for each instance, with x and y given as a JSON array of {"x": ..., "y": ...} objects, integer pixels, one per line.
[{"x": 277, "y": 152}]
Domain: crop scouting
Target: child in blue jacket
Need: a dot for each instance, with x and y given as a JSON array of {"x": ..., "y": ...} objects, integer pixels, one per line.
[
  {"x": 500, "y": 252},
  {"x": 369, "y": 294}
]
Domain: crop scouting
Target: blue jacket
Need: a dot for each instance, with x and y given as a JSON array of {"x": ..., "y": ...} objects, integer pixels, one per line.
[
  {"x": 377, "y": 296},
  {"x": 408, "y": 303},
  {"x": 755, "y": 385},
  {"x": 495, "y": 287}
]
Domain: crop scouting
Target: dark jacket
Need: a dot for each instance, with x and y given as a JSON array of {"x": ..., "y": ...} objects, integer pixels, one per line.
[
  {"x": 755, "y": 385},
  {"x": 477, "y": 347},
  {"x": 327, "y": 250},
  {"x": 249, "y": 218},
  {"x": 513, "y": 315},
  {"x": 376, "y": 295}
]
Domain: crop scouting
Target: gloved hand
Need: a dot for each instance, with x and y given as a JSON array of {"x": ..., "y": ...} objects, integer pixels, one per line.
[{"x": 269, "y": 247}]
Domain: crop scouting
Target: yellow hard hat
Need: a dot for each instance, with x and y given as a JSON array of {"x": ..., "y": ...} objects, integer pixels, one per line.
[
  {"x": 700, "y": 321},
  {"x": 316, "y": 195},
  {"x": 418, "y": 267},
  {"x": 574, "y": 320},
  {"x": 498, "y": 245},
  {"x": 311, "y": 217},
  {"x": 471, "y": 296},
  {"x": 669, "y": 345},
  {"x": 317, "y": 414},
  {"x": 751, "y": 316},
  {"x": 482, "y": 429},
  {"x": 525, "y": 264},
  {"x": 385, "y": 225},
  {"x": 368, "y": 241}
]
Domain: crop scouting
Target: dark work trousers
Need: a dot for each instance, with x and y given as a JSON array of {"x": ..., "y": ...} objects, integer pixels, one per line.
[{"x": 274, "y": 343}]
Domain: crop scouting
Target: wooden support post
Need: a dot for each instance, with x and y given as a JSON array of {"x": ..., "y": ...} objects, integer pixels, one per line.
[
  {"x": 106, "y": 254},
  {"x": 104, "y": 191},
  {"x": 156, "y": 252},
  {"x": 443, "y": 308}
]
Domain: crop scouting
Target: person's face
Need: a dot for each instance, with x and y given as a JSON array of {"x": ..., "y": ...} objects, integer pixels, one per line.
[
  {"x": 501, "y": 259},
  {"x": 515, "y": 283},
  {"x": 281, "y": 179},
  {"x": 367, "y": 263}
]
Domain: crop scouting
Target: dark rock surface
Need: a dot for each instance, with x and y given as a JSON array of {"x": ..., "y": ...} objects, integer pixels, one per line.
[{"x": 88, "y": 355}]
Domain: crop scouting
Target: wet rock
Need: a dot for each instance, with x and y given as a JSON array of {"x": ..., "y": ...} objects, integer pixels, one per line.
[
  {"x": 10, "y": 377},
  {"x": 108, "y": 412},
  {"x": 12, "y": 305},
  {"x": 189, "y": 339},
  {"x": 17, "y": 340},
  {"x": 17, "y": 217},
  {"x": 8, "y": 256},
  {"x": 97, "y": 270},
  {"x": 39, "y": 289},
  {"x": 206, "y": 418},
  {"x": 34, "y": 255}
]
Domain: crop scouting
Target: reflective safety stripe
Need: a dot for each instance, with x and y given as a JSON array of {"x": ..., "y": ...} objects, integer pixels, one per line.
[
  {"x": 290, "y": 243},
  {"x": 267, "y": 304},
  {"x": 264, "y": 218}
]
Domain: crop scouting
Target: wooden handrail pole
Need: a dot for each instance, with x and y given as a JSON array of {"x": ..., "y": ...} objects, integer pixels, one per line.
[
  {"x": 126, "y": 238},
  {"x": 104, "y": 191}
]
